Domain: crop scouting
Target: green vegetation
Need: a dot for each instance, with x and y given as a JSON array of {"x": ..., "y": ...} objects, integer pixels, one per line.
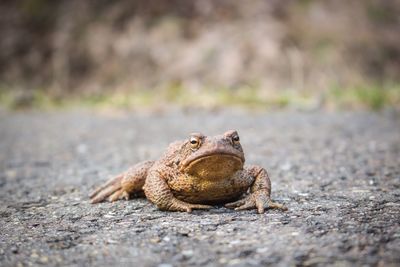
[
  {"x": 371, "y": 97},
  {"x": 368, "y": 97}
]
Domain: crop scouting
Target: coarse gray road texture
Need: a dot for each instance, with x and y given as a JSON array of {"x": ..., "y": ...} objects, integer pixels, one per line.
[{"x": 338, "y": 173}]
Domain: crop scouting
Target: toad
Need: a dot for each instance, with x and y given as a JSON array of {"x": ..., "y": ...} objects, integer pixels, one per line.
[{"x": 195, "y": 174}]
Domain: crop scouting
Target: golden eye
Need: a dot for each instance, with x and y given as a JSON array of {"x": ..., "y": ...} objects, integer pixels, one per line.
[{"x": 194, "y": 142}]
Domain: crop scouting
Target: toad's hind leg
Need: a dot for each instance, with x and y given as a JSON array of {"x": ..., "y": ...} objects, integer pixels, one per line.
[{"x": 123, "y": 185}]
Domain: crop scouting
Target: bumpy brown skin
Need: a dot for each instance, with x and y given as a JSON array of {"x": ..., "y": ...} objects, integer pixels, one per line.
[{"x": 194, "y": 174}]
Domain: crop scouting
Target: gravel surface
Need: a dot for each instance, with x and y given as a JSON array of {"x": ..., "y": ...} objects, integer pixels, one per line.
[{"x": 339, "y": 175}]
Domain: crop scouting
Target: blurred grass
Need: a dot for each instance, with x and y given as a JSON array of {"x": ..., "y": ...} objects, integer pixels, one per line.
[
  {"x": 371, "y": 97},
  {"x": 363, "y": 97}
]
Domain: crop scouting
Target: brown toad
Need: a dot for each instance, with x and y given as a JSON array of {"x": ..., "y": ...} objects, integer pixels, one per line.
[{"x": 194, "y": 174}]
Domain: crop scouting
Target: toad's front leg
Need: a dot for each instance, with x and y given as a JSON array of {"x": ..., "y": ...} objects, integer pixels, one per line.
[
  {"x": 159, "y": 193},
  {"x": 260, "y": 193}
]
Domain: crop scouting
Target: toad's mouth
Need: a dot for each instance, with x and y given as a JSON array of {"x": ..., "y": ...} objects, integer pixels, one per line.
[{"x": 213, "y": 165}]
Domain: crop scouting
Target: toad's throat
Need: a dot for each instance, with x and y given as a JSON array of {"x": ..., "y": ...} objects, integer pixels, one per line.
[{"x": 214, "y": 166}]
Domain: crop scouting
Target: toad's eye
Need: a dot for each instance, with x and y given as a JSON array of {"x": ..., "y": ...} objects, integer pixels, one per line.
[
  {"x": 194, "y": 142},
  {"x": 235, "y": 139}
]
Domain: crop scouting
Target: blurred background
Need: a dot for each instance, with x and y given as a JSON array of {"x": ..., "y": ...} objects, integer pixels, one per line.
[{"x": 306, "y": 54}]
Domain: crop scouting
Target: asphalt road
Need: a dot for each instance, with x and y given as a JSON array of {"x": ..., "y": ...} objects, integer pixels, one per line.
[{"x": 338, "y": 173}]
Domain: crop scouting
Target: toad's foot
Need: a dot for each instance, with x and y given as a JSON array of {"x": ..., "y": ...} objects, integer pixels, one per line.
[
  {"x": 111, "y": 190},
  {"x": 258, "y": 200},
  {"x": 178, "y": 205}
]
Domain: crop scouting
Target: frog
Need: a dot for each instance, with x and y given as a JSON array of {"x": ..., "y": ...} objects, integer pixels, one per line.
[{"x": 197, "y": 173}]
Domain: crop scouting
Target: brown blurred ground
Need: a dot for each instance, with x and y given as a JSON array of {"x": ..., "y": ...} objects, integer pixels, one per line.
[{"x": 72, "y": 46}]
